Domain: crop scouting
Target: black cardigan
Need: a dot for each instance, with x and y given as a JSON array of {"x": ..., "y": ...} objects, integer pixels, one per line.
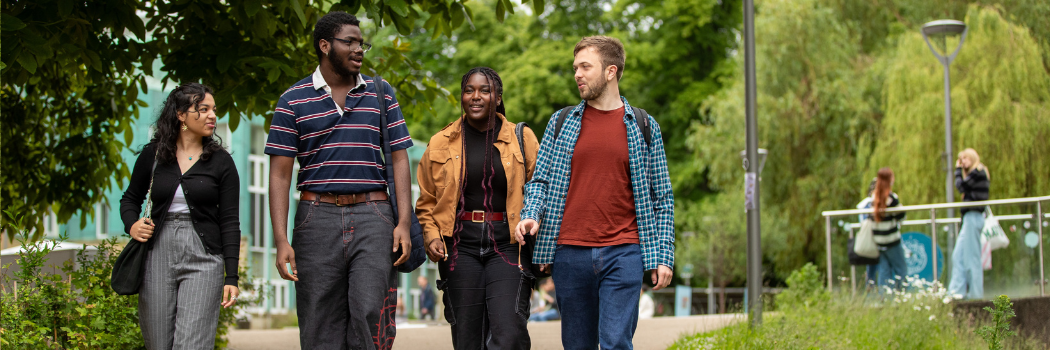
[
  {"x": 974, "y": 187},
  {"x": 212, "y": 190}
]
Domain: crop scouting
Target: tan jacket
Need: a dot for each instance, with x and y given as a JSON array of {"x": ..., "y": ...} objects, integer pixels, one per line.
[{"x": 439, "y": 170}]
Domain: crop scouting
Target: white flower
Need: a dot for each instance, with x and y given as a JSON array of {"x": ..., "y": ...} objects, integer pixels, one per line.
[
  {"x": 927, "y": 308},
  {"x": 947, "y": 300},
  {"x": 950, "y": 314},
  {"x": 917, "y": 308},
  {"x": 932, "y": 317}
]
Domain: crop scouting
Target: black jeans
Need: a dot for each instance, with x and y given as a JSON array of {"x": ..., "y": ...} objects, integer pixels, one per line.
[
  {"x": 486, "y": 294},
  {"x": 346, "y": 295}
]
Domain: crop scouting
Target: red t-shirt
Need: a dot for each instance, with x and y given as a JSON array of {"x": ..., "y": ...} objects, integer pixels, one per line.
[{"x": 599, "y": 208}]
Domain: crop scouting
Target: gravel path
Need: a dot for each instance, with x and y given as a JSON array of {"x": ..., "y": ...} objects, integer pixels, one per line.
[{"x": 656, "y": 333}]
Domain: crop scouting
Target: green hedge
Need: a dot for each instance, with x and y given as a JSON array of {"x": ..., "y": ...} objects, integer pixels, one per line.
[{"x": 79, "y": 310}]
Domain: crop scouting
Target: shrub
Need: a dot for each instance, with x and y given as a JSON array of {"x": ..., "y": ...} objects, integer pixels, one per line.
[
  {"x": 81, "y": 310},
  {"x": 997, "y": 333},
  {"x": 805, "y": 289}
]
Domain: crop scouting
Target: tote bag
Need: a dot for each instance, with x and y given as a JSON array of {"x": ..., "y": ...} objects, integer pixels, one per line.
[{"x": 864, "y": 244}]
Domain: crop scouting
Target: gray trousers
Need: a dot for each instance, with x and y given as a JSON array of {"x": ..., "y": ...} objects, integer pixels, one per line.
[
  {"x": 346, "y": 295},
  {"x": 180, "y": 297}
]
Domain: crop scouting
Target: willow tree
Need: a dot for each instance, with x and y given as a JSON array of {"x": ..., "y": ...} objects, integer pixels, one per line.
[{"x": 1000, "y": 107}]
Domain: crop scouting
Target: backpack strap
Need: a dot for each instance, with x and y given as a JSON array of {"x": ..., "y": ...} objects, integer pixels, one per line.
[
  {"x": 561, "y": 120},
  {"x": 377, "y": 81},
  {"x": 518, "y": 128},
  {"x": 640, "y": 117}
]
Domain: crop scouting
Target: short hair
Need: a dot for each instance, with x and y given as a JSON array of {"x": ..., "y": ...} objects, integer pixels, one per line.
[
  {"x": 329, "y": 25},
  {"x": 609, "y": 49}
]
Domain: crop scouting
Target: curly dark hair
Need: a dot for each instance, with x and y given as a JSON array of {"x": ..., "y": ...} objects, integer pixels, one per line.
[
  {"x": 329, "y": 25},
  {"x": 167, "y": 126}
]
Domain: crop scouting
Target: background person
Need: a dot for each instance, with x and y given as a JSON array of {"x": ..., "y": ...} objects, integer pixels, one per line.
[
  {"x": 426, "y": 299},
  {"x": 471, "y": 181},
  {"x": 192, "y": 262},
  {"x": 892, "y": 267},
  {"x": 549, "y": 309},
  {"x": 973, "y": 181}
]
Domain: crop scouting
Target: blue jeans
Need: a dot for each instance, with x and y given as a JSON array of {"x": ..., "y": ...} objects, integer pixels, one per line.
[
  {"x": 597, "y": 290},
  {"x": 544, "y": 316},
  {"x": 891, "y": 264},
  {"x": 966, "y": 259}
]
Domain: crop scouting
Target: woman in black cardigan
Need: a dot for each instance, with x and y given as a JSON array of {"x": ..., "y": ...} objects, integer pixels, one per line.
[{"x": 192, "y": 262}]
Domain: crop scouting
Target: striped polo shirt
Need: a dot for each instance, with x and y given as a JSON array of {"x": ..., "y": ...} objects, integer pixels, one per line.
[{"x": 338, "y": 153}]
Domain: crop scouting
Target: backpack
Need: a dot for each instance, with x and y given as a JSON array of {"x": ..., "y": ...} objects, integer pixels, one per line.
[{"x": 641, "y": 117}]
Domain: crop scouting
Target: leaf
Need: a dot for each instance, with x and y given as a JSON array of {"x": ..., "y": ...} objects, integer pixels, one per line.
[
  {"x": 298, "y": 8},
  {"x": 2, "y": 65},
  {"x": 9, "y": 22},
  {"x": 399, "y": 7},
  {"x": 225, "y": 59},
  {"x": 27, "y": 62},
  {"x": 537, "y": 7},
  {"x": 457, "y": 14},
  {"x": 273, "y": 74},
  {"x": 501, "y": 11},
  {"x": 251, "y": 7},
  {"x": 138, "y": 27}
]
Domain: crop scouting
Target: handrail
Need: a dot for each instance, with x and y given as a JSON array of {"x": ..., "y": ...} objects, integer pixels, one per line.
[
  {"x": 933, "y": 221},
  {"x": 1012, "y": 217},
  {"x": 939, "y": 206}
]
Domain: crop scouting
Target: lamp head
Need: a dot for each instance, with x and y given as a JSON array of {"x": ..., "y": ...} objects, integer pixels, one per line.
[{"x": 943, "y": 26}]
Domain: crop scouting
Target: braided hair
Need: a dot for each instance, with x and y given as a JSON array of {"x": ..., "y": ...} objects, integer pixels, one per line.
[{"x": 488, "y": 168}]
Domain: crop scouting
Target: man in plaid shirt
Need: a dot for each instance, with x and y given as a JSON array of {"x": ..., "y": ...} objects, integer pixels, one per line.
[{"x": 601, "y": 203}]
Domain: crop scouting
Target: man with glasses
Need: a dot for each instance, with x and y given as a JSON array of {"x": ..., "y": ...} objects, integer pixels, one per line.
[{"x": 342, "y": 254}]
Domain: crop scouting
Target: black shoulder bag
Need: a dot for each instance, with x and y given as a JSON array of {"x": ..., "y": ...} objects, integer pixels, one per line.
[
  {"x": 419, "y": 253},
  {"x": 530, "y": 240},
  {"x": 129, "y": 268}
]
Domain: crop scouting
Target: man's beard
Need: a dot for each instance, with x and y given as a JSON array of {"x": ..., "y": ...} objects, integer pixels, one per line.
[
  {"x": 594, "y": 91},
  {"x": 339, "y": 65}
]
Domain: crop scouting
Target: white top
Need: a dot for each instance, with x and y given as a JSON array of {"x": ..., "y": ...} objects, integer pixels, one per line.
[
  {"x": 178, "y": 203},
  {"x": 646, "y": 306}
]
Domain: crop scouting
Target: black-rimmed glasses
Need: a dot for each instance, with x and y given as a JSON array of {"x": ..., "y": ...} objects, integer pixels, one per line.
[{"x": 355, "y": 44}]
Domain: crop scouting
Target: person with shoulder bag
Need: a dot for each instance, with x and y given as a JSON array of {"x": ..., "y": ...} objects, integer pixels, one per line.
[
  {"x": 892, "y": 267},
  {"x": 973, "y": 180},
  {"x": 471, "y": 182},
  {"x": 192, "y": 233}
]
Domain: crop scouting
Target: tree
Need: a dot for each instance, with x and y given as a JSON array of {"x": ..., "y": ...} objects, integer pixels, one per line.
[{"x": 72, "y": 70}]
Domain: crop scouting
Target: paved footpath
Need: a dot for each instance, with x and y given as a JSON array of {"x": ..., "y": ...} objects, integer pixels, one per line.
[{"x": 655, "y": 333}]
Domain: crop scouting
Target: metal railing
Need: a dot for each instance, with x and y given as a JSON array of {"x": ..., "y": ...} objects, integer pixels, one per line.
[{"x": 933, "y": 221}]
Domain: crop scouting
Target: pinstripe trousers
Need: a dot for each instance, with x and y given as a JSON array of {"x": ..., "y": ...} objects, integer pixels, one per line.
[{"x": 182, "y": 289}]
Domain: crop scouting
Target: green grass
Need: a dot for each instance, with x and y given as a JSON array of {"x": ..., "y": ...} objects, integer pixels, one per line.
[{"x": 919, "y": 319}]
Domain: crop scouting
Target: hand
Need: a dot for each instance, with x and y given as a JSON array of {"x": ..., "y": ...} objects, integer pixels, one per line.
[
  {"x": 662, "y": 277},
  {"x": 436, "y": 250},
  {"x": 402, "y": 238},
  {"x": 286, "y": 255},
  {"x": 546, "y": 268},
  {"x": 229, "y": 295},
  {"x": 527, "y": 226},
  {"x": 958, "y": 162},
  {"x": 142, "y": 230}
]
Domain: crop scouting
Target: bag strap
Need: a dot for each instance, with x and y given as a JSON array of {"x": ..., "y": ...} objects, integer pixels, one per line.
[
  {"x": 518, "y": 129},
  {"x": 641, "y": 117},
  {"x": 385, "y": 134},
  {"x": 149, "y": 193}
]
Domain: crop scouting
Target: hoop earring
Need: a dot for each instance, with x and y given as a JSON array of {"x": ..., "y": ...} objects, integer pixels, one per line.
[{"x": 184, "y": 128}]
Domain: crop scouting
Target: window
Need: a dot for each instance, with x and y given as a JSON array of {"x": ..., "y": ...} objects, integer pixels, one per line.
[
  {"x": 258, "y": 201},
  {"x": 50, "y": 224},
  {"x": 101, "y": 220},
  {"x": 276, "y": 294}
]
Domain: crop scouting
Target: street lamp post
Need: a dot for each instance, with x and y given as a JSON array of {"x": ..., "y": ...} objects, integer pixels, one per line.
[
  {"x": 754, "y": 161},
  {"x": 946, "y": 27}
]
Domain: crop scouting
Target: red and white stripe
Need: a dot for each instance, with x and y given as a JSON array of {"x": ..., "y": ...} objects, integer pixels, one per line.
[
  {"x": 392, "y": 125},
  {"x": 339, "y": 145},
  {"x": 316, "y": 115},
  {"x": 362, "y": 109},
  {"x": 342, "y": 162},
  {"x": 400, "y": 140},
  {"x": 281, "y": 147},
  {"x": 305, "y": 100},
  {"x": 283, "y": 110},
  {"x": 283, "y": 129},
  {"x": 340, "y": 126},
  {"x": 343, "y": 181},
  {"x": 297, "y": 87},
  {"x": 391, "y": 107}
]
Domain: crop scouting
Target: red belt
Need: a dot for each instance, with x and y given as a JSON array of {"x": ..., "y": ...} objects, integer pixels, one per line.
[
  {"x": 343, "y": 199},
  {"x": 482, "y": 216}
]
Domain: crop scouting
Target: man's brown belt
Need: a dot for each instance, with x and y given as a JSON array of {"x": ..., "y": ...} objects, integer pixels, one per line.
[{"x": 343, "y": 199}]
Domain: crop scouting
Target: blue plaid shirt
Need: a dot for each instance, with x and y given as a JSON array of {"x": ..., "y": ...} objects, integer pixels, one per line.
[{"x": 653, "y": 198}]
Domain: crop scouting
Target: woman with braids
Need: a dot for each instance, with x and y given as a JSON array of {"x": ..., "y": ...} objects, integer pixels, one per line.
[
  {"x": 471, "y": 181},
  {"x": 973, "y": 180},
  {"x": 194, "y": 234},
  {"x": 892, "y": 268}
]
